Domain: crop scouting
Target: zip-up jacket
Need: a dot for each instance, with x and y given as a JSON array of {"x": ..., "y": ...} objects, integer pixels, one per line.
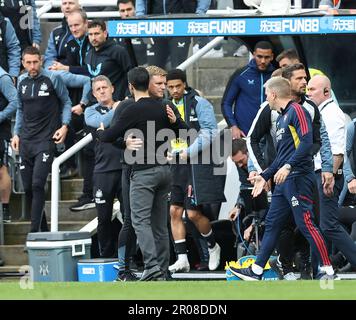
[
  {"x": 76, "y": 52},
  {"x": 8, "y": 103},
  {"x": 113, "y": 61},
  {"x": 108, "y": 156},
  {"x": 28, "y": 29},
  {"x": 243, "y": 96},
  {"x": 44, "y": 106},
  {"x": 10, "y": 51},
  {"x": 294, "y": 142},
  {"x": 144, "y": 7},
  {"x": 265, "y": 124},
  {"x": 57, "y": 42}
]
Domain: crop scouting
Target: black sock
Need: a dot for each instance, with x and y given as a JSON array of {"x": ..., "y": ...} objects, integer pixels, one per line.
[
  {"x": 5, "y": 206},
  {"x": 210, "y": 239},
  {"x": 181, "y": 247}
]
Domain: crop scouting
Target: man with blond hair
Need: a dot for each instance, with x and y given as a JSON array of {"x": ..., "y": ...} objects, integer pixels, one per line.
[{"x": 293, "y": 172}]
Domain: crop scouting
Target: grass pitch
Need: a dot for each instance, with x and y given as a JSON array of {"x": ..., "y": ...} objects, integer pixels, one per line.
[{"x": 187, "y": 290}]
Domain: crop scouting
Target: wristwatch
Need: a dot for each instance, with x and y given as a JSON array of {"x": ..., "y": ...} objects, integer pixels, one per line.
[
  {"x": 350, "y": 179},
  {"x": 288, "y": 166}
]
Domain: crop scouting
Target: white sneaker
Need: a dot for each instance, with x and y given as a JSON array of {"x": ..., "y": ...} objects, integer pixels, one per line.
[
  {"x": 214, "y": 257},
  {"x": 180, "y": 266},
  {"x": 241, "y": 51},
  {"x": 290, "y": 276},
  {"x": 214, "y": 53}
]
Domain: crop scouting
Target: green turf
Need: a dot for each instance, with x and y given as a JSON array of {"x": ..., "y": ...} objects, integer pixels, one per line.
[{"x": 177, "y": 290}]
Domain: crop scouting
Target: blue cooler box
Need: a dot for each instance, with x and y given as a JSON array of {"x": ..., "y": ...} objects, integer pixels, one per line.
[
  {"x": 53, "y": 256},
  {"x": 97, "y": 270}
]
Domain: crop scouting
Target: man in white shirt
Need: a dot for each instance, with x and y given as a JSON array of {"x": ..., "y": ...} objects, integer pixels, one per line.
[{"x": 319, "y": 91}]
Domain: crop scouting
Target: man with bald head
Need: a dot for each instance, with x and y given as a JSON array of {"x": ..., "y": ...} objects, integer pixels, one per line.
[
  {"x": 319, "y": 91},
  {"x": 59, "y": 37}
]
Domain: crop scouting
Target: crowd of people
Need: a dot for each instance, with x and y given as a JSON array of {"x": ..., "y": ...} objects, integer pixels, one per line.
[{"x": 141, "y": 154}]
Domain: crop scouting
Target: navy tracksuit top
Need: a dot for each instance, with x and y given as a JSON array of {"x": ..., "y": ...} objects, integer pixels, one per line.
[{"x": 294, "y": 142}]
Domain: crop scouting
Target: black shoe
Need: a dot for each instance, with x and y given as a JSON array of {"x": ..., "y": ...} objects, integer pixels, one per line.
[
  {"x": 1, "y": 262},
  {"x": 168, "y": 276},
  {"x": 6, "y": 216},
  {"x": 83, "y": 203},
  {"x": 338, "y": 261},
  {"x": 152, "y": 274},
  {"x": 126, "y": 275},
  {"x": 246, "y": 274},
  {"x": 306, "y": 271}
]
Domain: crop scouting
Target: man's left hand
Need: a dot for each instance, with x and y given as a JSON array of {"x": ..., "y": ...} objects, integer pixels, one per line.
[
  {"x": 281, "y": 175},
  {"x": 60, "y": 135},
  {"x": 328, "y": 182}
]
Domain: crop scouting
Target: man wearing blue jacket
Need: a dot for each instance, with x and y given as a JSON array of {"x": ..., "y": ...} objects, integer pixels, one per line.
[
  {"x": 10, "y": 52},
  {"x": 292, "y": 171},
  {"x": 244, "y": 92},
  {"x": 23, "y": 16},
  {"x": 60, "y": 36},
  {"x": 8, "y": 106},
  {"x": 42, "y": 122}
]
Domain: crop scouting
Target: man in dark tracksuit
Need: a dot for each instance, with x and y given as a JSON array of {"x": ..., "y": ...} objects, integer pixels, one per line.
[
  {"x": 107, "y": 170},
  {"x": 293, "y": 174},
  {"x": 41, "y": 122},
  {"x": 265, "y": 124},
  {"x": 8, "y": 107}
]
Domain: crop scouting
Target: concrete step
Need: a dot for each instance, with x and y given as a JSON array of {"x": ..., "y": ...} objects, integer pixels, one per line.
[
  {"x": 16, "y": 232},
  {"x": 14, "y": 255},
  {"x": 66, "y": 215},
  {"x": 9, "y": 269},
  {"x": 72, "y": 185},
  {"x": 212, "y": 75}
]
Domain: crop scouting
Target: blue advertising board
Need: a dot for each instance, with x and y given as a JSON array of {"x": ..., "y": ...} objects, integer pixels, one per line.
[{"x": 232, "y": 26}]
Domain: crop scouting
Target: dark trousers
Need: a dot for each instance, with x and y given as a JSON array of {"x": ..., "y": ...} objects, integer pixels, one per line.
[
  {"x": 294, "y": 196},
  {"x": 330, "y": 224},
  {"x": 127, "y": 236},
  {"x": 149, "y": 213},
  {"x": 107, "y": 185},
  {"x": 35, "y": 165},
  {"x": 176, "y": 48},
  {"x": 88, "y": 168}
]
